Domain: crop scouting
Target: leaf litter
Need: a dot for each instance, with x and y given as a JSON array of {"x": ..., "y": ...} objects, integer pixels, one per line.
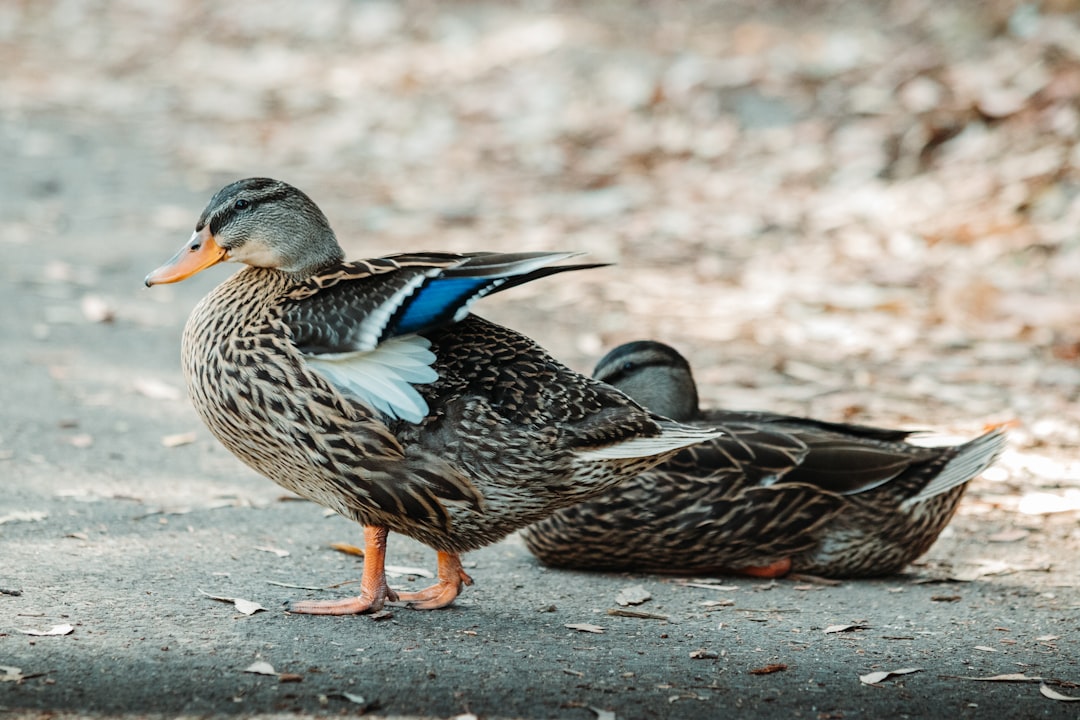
[
  {"x": 23, "y": 516},
  {"x": 247, "y": 607},
  {"x": 260, "y": 667},
  {"x": 1007, "y": 677},
  {"x": 623, "y": 612},
  {"x": 1049, "y": 692},
  {"x": 64, "y": 629},
  {"x": 585, "y": 627},
  {"x": 769, "y": 669},
  {"x": 632, "y": 595},
  {"x": 876, "y": 677},
  {"x": 845, "y": 628},
  {"x": 276, "y": 551},
  {"x": 178, "y": 439},
  {"x": 10, "y": 674}
]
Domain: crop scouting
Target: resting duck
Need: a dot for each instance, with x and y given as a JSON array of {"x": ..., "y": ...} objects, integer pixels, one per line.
[
  {"x": 368, "y": 387},
  {"x": 772, "y": 494}
]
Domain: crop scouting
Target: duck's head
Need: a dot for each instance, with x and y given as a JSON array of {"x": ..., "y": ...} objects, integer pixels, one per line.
[
  {"x": 654, "y": 375},
  {"x": 260, "y": 222}
]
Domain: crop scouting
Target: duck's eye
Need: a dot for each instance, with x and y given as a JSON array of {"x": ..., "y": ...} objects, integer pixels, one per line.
[
  {"x": 627, "y": 366},
  {"x": 241, "y": 204}
]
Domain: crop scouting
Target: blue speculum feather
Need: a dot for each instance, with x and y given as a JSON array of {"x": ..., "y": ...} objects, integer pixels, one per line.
[{"x": 437, "y": 301}]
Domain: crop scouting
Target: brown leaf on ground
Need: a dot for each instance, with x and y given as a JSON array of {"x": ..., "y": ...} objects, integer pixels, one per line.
[
  {"x": 623, "y": 612},
  {"x": 348, "y": 549},
  {"x": 585, "y": 627},
  {"x": 769, "y": 669}
]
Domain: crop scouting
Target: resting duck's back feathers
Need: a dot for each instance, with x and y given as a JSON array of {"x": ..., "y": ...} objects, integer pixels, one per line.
[
  {"x": 673, "y": 436},
  {"x": 970, "y": 460}
]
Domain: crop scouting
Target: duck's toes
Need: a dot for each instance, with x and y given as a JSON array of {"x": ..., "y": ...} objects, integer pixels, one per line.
[
  {"x": 434, "y": 597},
  {"x": 365, "y": 602},
  {"x": 452, "y": 578}
]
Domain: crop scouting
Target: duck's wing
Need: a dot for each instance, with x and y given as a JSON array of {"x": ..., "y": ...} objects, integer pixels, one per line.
[
  {"x": 358, "y": 323},
  {"x": 356, "y": 306},
  {"x": 849, "y": 459}
]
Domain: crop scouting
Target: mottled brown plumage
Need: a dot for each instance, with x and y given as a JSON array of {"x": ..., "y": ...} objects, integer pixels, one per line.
[
  {"x": 368, "y": 388},
  {"x": 773, "y": 493}
]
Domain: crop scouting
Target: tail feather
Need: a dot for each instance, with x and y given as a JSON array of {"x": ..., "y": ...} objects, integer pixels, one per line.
[
  {"x": 674, "y": 436},
  {"x": 971, "y": 459}
]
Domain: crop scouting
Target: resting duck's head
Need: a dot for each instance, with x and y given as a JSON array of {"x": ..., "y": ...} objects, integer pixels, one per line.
[
  {"x": 654, "y": 375},
  {"x": 260, "y": 222}
]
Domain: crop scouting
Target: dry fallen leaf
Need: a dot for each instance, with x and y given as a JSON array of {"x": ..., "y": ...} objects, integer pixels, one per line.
[
  {"x": 1008, "y": 677},
  {"x": 353, "y": 698},
  {"x": 10, "y": 674},
  {"x": 814, "y": 580},
  {"x": 844, "y": 628},
  {"x": 1049, "y": 692},
  {"x": 178, "y": 439},
  {"x": 585, "y": 627},
  {"x": 247, "y": 607},
  {"x": 260, "y": 667},
  {"x": 64, "y": 629},
  {"x": 633, "y": 595},
  {"x": 622, "y": 612},
  {"x": 876, "y": 677},
  {"x": 706, "y": 586},
  {"x": 703, "y": 654},
  {"x": 24, "y": 516},
  {"x": 346, "y": 547},
  {"x": 716, "y": 603},
  {"x": 1047, "y": 638},
  {"x": 277, "y": 551},
  {"x": 292, "y": 585},
  {"x": 946, "y": 598},
  {"x": 769, "y": 669},
  {"x": 402, "y": 570},
  {"x": 985, "y": 648},
  {"x": 603, "y": 714},
  {"x": 290, "y": 677}
]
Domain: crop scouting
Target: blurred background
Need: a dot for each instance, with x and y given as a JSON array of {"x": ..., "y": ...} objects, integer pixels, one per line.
[{"x": 864, "y": 211}]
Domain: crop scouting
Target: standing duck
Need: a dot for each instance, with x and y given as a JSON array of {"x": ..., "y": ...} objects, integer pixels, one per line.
[
  {"x": 368, "y": 387},
  {"x": 772, "y": 494}
]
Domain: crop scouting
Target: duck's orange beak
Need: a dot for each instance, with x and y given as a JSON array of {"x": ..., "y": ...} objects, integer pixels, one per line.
[{"x": 201, "y": 252}]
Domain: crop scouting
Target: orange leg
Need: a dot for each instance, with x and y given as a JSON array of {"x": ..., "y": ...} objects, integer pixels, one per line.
[
  {"x": 780, "y": 568},
  {"x": 451, "y": 579},
  {"x": 374, "y": 592}
]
